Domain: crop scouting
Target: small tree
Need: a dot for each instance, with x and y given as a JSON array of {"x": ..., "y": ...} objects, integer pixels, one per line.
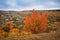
[
  {"x": 11, "y": 25},
  {"x": 36, "y": 23}
]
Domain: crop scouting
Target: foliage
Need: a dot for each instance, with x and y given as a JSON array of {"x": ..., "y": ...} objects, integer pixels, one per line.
[
  {"x": 14, "y": 32},
  {"x": 26, "y": 23},
  {"x": 36, "y": 23},
  {"x": 3, "y": 33},
  {"x": 52, "y": 24}
]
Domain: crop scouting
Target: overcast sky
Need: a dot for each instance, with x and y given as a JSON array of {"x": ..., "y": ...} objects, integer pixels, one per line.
[{"x": 29, "y": 4}]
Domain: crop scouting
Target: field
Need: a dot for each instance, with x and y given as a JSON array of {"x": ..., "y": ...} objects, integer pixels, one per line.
[{"x": 30, "y": 25}]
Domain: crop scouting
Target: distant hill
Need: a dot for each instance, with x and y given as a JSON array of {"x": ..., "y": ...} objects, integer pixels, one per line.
[{"x": 14, "y": 13}]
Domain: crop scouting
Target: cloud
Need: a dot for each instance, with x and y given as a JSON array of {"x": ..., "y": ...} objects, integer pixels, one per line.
[
  {"x": 11, "y": 3},
  {"x": 34, "y": 7},
  {"x": 29, "y": 4},
  {"x": 27, "y": 1},
  {"x": 52, "y": 3}
]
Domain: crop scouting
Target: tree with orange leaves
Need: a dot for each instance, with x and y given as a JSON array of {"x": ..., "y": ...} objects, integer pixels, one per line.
[
  {"x": 11, "y": 25},
  {"x": 36, "y": 23},
  {"x": 44, "y": 22}
]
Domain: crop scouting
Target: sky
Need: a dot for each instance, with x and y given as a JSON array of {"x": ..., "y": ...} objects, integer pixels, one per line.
[{"x": 19, "y": 5}]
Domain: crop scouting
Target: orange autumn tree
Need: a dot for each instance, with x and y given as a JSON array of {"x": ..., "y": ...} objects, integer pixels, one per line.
[
  {"x": 11, "y": 25},
  {"x": 44, "y": 22},
  {"x": 36, "y": 23}
]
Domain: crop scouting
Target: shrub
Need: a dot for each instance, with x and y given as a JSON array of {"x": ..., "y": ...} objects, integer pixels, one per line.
[{"x": 36, "y": 23}]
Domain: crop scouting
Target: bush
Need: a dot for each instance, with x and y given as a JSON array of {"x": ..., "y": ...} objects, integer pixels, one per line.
[{"x": 36, "y": 23}]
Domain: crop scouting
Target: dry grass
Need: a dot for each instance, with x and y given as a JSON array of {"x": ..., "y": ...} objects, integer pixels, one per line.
[{"x": 41, "y": 36}]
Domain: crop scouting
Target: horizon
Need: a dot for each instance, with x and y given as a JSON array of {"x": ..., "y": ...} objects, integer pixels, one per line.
[{"x": 25, "y": 9}]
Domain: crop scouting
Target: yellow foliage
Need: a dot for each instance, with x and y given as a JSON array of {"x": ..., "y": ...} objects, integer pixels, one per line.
[
  {"x": 14, "y": 32},
  {"x": 2, "y": 33},
  {"x": 25, "y": 33}
]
